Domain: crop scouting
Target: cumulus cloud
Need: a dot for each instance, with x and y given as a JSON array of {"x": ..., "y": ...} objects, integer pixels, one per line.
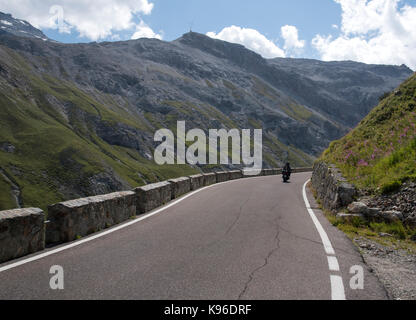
[
  {"x": 94, "y": 19},
  {"x": 251, "y": 39},
  {"x": 291, "y": 36},
  {"x": 372, "y": 31},
  {"x": 144, "y": 31}
]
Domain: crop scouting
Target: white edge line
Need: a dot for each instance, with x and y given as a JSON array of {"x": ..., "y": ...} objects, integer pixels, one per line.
[
  {"x": 324, "y": 237},
  {"x": 337, "y": 288},
  {"x": 333, "y": 264},
  {"x": 337, "y": 285},
  {"x": 104, "y": 233}
]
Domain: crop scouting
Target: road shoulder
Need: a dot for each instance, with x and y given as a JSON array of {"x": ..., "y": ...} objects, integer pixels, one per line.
[{"x": 349, "y": 258}]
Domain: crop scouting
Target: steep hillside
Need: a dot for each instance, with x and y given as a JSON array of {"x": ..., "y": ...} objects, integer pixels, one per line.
[
  {"x": 380, "y": 154},
  {"x": 79, "y": 119}
]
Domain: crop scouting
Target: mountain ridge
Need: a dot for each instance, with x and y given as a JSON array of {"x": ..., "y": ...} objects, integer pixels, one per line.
[
  {"x": 20, "y": 28},
  {"x": 79, "y": 119}
]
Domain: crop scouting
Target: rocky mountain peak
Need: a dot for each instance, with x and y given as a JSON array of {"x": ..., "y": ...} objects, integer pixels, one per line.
[
  {"x": 19, "y": 28},
  {"x": 233, "y": 52}
]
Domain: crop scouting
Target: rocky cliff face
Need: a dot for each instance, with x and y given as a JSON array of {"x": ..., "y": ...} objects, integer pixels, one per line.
[{"x": 79, "y": 119}]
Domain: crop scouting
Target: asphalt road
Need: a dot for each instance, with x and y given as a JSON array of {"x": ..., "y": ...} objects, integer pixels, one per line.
[{"x": 244, "y": 239}]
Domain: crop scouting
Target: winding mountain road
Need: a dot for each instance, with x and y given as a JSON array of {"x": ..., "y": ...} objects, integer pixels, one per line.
[{"x": 244, "y": 239}]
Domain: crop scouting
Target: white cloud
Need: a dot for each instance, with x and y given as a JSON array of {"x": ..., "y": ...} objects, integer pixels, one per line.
[
  {"x": 251, "y": 39},
  {"x": 94, "y": 19},
  {"x": 373, "y": 31},
  {"x": 291, "y": 36},
  {"x": 144, "y": 31}
]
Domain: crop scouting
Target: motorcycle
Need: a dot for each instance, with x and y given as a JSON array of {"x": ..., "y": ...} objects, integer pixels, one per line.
[{"x": 286, "y": 176}]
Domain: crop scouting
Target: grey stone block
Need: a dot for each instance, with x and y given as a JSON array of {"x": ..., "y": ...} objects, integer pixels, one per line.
[
  {"x": 210, "y": 179},
  {"x": 22, "y": 232},
  {"x": 358, "y": 207},
  {"x": 152, "y": 196},
  {"x": 78, "y": 218},
  {"x": 277, "y": 171},
  {"x": 197, "y": 181},
  {"x": 267, "y": 172},
  {"x": 236, "y": 174},
  {"x": 222, "y": 176},
  {"x": 180, "y": 186}
]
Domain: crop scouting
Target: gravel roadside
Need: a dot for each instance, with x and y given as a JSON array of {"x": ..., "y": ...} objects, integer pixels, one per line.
[{"x": 395, "y": 268}]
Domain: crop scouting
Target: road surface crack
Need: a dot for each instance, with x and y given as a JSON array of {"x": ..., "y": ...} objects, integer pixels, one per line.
[
  {"x": 266, "y": 262},
  {"x": 237, "y": 218}
]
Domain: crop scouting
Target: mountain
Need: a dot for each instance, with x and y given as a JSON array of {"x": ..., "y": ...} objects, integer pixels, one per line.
[
  {"x": 79, "y": 119},
  {"x": 19, "y": 28},
  {"x": 380, "y": 153},
  {"x": 347, "y": 85}
]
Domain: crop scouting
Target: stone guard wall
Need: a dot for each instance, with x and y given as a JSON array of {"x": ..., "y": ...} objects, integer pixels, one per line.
[
  {"x": 23, "y": 231},
  {"x": 152, "y": 196},
  {"x": 73, "y": 219}
]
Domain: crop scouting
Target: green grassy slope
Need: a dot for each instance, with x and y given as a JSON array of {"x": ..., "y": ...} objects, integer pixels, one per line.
[
  {"x": 380, "y": 154},
  {"x": 52, "y": 151},
  {"x": 52, "y": 125}
]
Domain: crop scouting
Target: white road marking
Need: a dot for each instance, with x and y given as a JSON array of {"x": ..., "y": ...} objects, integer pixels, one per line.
[
  {"x": 120, "y": 227},
  {"x": 337, "y": 286},
  {"x": 333, "y": 263},
  {"x": 324, "y": 237},
  {"x": 104, "y": 233}
]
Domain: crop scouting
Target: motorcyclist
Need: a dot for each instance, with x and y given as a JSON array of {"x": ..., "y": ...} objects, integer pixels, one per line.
[{"x": 287, "y": 169}]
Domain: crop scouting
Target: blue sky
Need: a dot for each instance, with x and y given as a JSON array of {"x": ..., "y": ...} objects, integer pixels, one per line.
[
  {"x": 371, "y": 31},
  {"x": 266, "y": 16},
  {"x": 172, "y": 18}
]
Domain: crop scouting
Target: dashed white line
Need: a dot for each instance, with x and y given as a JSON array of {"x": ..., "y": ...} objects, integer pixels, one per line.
[
  {"x": 333, "y": 264},
  {"x": 325, "y": 239},
  {"x": 337, "y": 286}
]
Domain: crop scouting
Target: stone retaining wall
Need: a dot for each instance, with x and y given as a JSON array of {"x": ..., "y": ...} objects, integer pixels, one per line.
[
  {"x": 152, "y": 196},
  {"x": 210, "y": 179},
  {"x": 197, "y": 181},
  {"x": 180, "y": 187},
  {"x": 236, "y": 174},
  {"x": 22, "y": 232},
  {"x": 331, "y": 187},
  {"x": 268, "y": 172},
  {"x": 222, "y": 176},
  {"x": 78, "y": 218}
]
